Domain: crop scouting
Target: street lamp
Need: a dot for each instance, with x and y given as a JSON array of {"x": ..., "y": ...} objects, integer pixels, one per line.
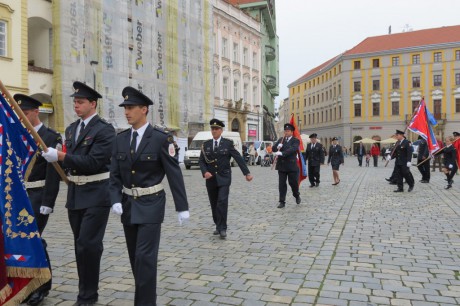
[{"x": 258, "y": 122}]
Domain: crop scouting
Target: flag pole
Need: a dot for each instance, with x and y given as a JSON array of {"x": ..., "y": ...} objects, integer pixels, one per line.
[
  {"x": 437, "y": 152},
  {"x": 413, "y": 114},
  {"x": 30, "y": 128}
]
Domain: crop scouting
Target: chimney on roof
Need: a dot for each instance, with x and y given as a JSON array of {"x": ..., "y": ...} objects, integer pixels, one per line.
[{"x": 389, "y": 29}]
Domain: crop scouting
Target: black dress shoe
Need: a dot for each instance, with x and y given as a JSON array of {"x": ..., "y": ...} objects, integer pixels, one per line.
[
  {"x": 37, "y": 298},
  {"x": 388, "y": 180},
  {"x": 410, "y": 188},
  {"x": 216, "y": 232},
  {"x": 398, "y": 190},
  {"x": 317, "y": 184},
  {"x": 312, "y": 185},
  {"x": 223, "y": 234},
  {"x": 281, "y": 205},
  {"x": 448, "y": 186},
  {"x": 298, "y": 200},
  {"x": 393, "y": 183}
]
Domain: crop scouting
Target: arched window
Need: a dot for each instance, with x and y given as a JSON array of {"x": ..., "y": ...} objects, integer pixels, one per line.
[{"x": 235, "y": 125}]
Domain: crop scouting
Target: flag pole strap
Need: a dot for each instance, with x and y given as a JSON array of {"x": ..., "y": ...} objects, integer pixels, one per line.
[{"x": 31, "y": 129}]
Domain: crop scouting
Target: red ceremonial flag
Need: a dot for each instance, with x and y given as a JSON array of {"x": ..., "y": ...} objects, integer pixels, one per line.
[
  {"x": 300, "y": 160},
  {"x": 421, "y": 124}
]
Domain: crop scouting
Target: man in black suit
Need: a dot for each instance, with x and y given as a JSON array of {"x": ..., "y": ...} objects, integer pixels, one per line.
[
  {"x": 403, "y": 155},
  {"x": 285, "y": 151},
  {"x": 88, "y": 143},
  {"x": 423, "y": 154},
  {"x": 215, "y": 166},
  {"x": 141, "y": 157},
  {"x": 43, "y": 182},
  {"x": 314, "y": 154}
]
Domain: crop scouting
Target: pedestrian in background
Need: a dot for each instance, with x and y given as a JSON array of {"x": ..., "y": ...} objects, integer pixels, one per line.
[
  {"x": 360, "y": 153},
  {"x": 88, "y": 143},
  {"x": 450, "y": 161},
  {"x": 314, "y": 154},
  {"x": 335, "y": 159},
  {"x": 375, "y": 152},
  {"x": 215, "y": 166},
  {"x": 286, "y": 149},
  {"x": 142, "y": 155},
  {"x": 252, "y": 155},
  {"x": 42, "y": 184}
]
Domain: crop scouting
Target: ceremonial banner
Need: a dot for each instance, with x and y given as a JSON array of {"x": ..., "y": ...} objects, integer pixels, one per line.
[
  {"x": 300, "y": 160},
  {"x": 23, "y": 260},
  {"x": 422, "y": 124}
]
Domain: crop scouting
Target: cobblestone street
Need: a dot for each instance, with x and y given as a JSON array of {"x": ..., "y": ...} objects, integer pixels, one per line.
[{"x": 357, "y": 243}]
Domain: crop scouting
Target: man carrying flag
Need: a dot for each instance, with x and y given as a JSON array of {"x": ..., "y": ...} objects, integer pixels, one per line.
[
  {"x": 287, "y": 152},
  {"x": 23, "y": 261}
]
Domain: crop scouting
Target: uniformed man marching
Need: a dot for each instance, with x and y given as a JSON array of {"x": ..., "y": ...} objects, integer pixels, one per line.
[
  {"x": 88, "y": 143},
  {"x": 335, "y": 159},
  {"x": 43, "y": 182},
  {"x": 314, "y": 155},
  {"x": 286, "y": 149},
  {"x": 403, "y": 155},
  {"x": 422, "y": 155},
  {"x": 215, "y": 166},
  {"x": 141, "y": 157}
]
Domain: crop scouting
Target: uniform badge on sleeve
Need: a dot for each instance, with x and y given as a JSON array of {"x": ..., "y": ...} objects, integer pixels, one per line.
[{"x": 171, "y": 150}]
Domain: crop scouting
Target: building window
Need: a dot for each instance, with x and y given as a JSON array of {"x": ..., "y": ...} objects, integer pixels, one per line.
[
  {"x": 255, "y": 62},
  {"x": 457, "y": 55},
  {"x": 457, "y": 79},
  {"x": 225, "y": 88},
  {"x": 236, "y": 94},
  {"x": 3, "y": 38},
  {"x": 415, "y": 105},
  {"x": 395, "y": 83},
  {"x": 309, "y": 101},
  {"x": 224, "y": 47},
  {"x": 298, "y": 104},
  {"x": 245, "y": 93},
  {"x": 357, "y": 86},
  {"x": 395, "y": 108},
  {"x": 340, "y": 111},
  {"x": 236, "y": 53},
  {"x": 375, "y": 84},
  {"x": 416, "y": 82},
  {"x": 437, "y": 80},
  {"x": 376, "y": 109},
  {"x": 457, "y": 105},
  {"x": 254, "y": 95},
  {"x": 358, "y": 110},
  {"x": 245, "y": 56},
  {"x": 415, "y": 59},
  {"x": 357, "y": 65},
  {"x": 395, "y": 61},
  {"x": 437, "y": 57},
  {"x": 375, "y": 63},
  {"x": 304, "y": 103}
]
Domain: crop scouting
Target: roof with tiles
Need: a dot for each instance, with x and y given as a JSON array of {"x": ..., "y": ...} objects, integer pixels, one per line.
[{"x": 396, "y": 41}]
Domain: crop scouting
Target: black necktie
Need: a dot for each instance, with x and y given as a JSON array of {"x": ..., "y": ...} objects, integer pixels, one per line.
[
  {"x": 133, "y": 143},
  {"x": 82, "y": 127},
  {"x": 313, "y": 146},
  {"x": 215, "y": 145}
]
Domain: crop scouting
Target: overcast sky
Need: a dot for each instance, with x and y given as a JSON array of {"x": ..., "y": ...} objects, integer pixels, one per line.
[{"x": 313, "y": 31}]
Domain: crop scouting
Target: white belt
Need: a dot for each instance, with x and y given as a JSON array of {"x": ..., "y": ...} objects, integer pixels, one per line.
[
  {"x": 83, "y": 179},
  {"x": 35, "y": 184},
  {"x": 138, "y": 191}
]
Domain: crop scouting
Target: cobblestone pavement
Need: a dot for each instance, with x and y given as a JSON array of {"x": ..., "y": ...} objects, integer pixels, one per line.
[{"x": 357, "y": 243}]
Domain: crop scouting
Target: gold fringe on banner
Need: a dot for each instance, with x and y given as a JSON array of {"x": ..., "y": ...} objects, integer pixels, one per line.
[
  {"x": 38, "y": 276},
  {"x": 4, "y": 293},
  {"x": 29, "y": 272}
]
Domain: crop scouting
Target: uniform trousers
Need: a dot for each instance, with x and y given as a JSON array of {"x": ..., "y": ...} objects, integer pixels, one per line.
[
  {"x": 143, "y": 241},
  {"x": 450, "y": 175},
  {"x": 292, "y": 178},
  {"x": 402, "y": 171},
  {"x": 218, "y": 197},
  {"x": 313, "y": 174},
  {"x": 88, "y": 227},
  {"x": 424, "y": 170}
]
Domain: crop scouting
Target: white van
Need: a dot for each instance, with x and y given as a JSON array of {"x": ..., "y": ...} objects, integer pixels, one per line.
[
  {"x": 260, "y": 147},
  {"x": 192, "y": 153}
]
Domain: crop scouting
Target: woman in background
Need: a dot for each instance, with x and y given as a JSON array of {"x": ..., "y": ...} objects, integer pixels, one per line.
[{"x": 335, "y": 159}]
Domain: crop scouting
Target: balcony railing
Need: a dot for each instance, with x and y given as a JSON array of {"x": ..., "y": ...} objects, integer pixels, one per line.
[{"x": 270, "y": 53}]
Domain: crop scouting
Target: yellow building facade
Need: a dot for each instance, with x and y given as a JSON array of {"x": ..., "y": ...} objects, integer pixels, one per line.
[{"x": 372, "y": 89}]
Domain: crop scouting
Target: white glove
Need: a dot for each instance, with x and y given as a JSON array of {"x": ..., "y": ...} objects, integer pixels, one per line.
[
  {"x": 280, "y": 145},
  {"x": 451, "y": 166},
  {"x": 388, "y": 158},
  {"x": 279, "y": 153},
  {"x": 51, "y": 156},
  {"x": 182, "y": 216},
  {"x": 45, "y": 210},
  {"x": 117, "y": 209},
  {"x": 409, "y": 164}
]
